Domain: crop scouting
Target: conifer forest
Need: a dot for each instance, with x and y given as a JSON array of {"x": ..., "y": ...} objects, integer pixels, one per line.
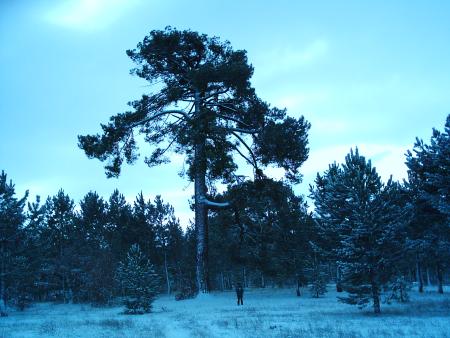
[{"x": 354, "y": 239}]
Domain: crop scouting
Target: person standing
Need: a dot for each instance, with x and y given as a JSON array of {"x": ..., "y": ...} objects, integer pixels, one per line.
[{"x": 240, "y": 294}]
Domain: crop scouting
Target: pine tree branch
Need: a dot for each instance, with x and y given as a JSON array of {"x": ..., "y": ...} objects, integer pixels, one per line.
[
  {"x": 166, "y": 112},
  {"x": 255, "y": 163}
]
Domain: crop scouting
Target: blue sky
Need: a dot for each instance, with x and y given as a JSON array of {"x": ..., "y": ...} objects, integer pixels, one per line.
[{"x": 372, "y": 74}]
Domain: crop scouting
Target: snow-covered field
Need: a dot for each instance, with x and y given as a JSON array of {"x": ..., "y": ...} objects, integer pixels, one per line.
[{"x": 266, "y": 313}]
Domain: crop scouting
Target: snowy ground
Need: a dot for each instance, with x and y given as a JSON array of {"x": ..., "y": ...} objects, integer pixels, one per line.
[{"x": 266, "y": 313}]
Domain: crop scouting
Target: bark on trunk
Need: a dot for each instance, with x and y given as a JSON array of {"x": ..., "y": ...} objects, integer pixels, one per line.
[
  {"x": 166, "y": 271},
  {"x": 200, "y": 205},
  {"x": 338, "y": 279},
  {"x": 428, "y": 276},
  {"x": 419, "y": 275},
  {"x": 440, "y": 277},
  {"x": 376, "y": 298}
]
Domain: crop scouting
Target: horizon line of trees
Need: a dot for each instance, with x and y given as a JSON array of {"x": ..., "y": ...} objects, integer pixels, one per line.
[{"x": 371, "y": 238}]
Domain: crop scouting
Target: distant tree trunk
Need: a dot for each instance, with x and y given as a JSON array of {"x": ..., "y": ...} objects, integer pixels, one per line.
[
  {"x": 419, "y": 274},
  {"x": 263, "y": 282},
  {"x": 222, "y": 282},
  {"x": 298, "y": 287},
  {"x": 166, "y": 271},
  {"x": 338, "y": 279},
  {"x": 440, "y": 277},
  {"x": 428, "y": 276},
  {"x": 376, "y": 298}
]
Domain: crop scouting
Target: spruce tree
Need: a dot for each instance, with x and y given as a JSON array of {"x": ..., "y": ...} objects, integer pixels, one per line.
[
  {"x": 60, "y": 234},
  {"x": 369, "y": 220},
  {"x": 330, "y": 215},
  {"x": 318, "y": 277},
  {"x": 94, "y": 252},
  {"x": 142, "y": 229},
  {"x": 36, "y": 245},
  {"x": 119, "y": 225},
  {"x": 428, "y": 182},
  {"x": 138, "y": 281},
  {"x": 266, "y": 231},
  {"x": 12, "y": 217}
]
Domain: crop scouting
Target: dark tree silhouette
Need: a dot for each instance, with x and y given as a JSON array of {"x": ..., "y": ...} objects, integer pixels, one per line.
[{"x": 205, "y": 109}]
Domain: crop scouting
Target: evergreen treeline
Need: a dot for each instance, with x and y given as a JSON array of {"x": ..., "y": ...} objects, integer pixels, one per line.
[
  {"x": 57, "y": 252},
  {"x": 371, "y": 238}
]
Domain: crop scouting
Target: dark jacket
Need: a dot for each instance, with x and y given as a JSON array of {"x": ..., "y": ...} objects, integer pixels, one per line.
[{"x": 239, "y": 291}]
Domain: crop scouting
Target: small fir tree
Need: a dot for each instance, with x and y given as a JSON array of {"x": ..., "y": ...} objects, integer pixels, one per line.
[
  {"x": 318, "y": 286},
  {"x": 398, "y": 290},
  {"x": 138, "y": 281}
]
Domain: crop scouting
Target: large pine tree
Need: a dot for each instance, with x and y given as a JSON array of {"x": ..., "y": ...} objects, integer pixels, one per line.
[{"x": 207, "y": 110}]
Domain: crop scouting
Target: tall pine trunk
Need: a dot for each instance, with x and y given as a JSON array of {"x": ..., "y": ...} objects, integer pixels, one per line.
[
  {"x": 440, "y": 277},
  {"x": 201, "y": 209}
]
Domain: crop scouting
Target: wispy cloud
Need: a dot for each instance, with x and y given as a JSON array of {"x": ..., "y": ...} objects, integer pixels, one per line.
[
  {"x": 290, "y": 58},
  {"x": 310, "y": 54},
  {"x": 87, "y": 14}
]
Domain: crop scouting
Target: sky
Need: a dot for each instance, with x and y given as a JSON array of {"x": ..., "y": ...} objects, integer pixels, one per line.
[{"x": 366, "y": 74}]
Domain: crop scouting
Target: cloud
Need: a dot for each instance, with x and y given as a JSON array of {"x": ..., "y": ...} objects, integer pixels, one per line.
[
  {"x": 300, "y": 100},
  {"x": 294, "y": 58},
  {"x": 289, "y": 58},
  {"x": 87, "y": 14}
]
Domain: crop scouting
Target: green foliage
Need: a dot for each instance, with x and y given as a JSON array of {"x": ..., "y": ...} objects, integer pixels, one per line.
[
  {"x": 318, "y": 280},
  {"x": 13, "y": 265},
  {"x": 266, "y": 230},
  {"x": 429, "y": 169},
  {"x": 365, "y": 222},
  {"x": 138, "y": 281},
  {"x": 429, "y": 190},
  {"x": 206, "y": 110},
  {"x": 398, "y": 290},
  {"x": 231, "y": 118}
]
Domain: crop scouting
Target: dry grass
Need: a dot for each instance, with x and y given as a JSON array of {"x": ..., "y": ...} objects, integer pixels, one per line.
[{"x": 267, "y": 313}]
